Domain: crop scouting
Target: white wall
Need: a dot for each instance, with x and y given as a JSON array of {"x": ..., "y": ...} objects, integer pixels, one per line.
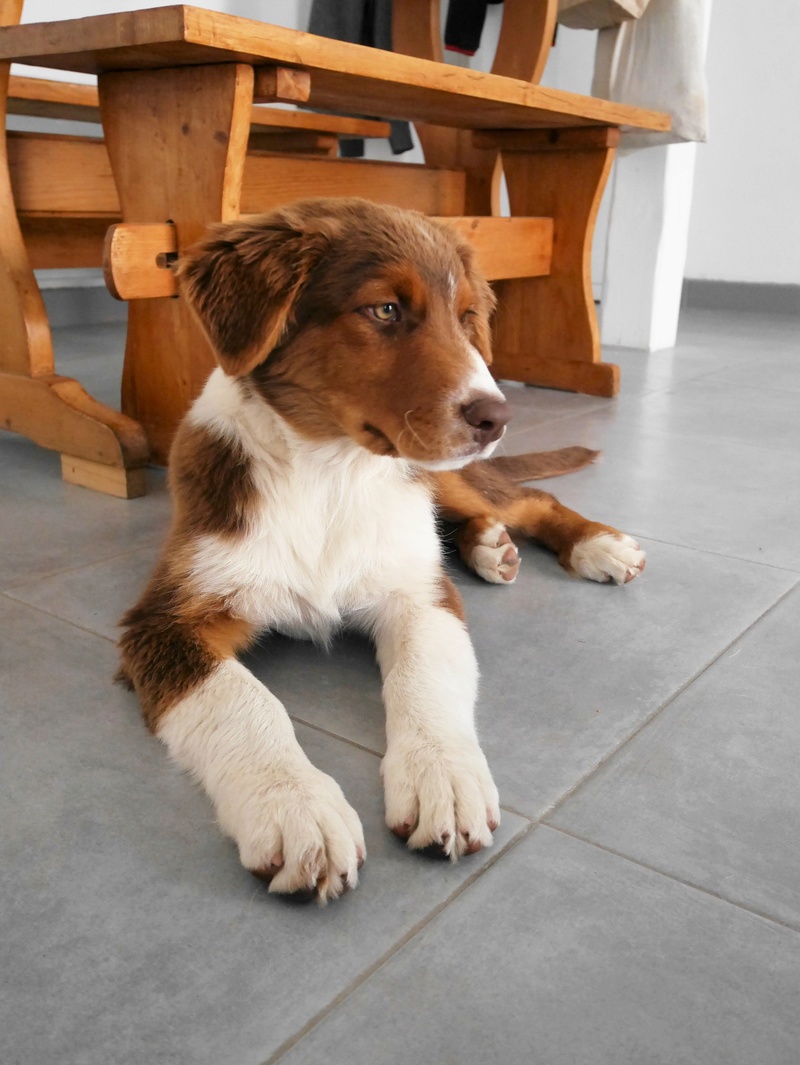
[{"x": 745, "y": 222}]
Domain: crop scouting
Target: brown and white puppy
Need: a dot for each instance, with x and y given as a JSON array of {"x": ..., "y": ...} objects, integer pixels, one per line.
[{"x": 352, "y": 397}]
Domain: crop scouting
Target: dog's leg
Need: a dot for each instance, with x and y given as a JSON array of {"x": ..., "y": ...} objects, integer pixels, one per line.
[
  {"x": 438, "y": 788},
  {"x": 486, "y": 503},
  {"x": 584, "y": 548},
  {"x": 290, "y": 821}
]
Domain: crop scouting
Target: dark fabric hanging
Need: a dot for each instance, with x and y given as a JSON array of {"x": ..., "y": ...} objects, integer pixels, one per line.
[
  {"x": 465, "y": 19},
  {"x": 360, "y": 22}
]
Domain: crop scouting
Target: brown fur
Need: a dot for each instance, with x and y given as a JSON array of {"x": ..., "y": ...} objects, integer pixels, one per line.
[
  {"x": 211, "y": 482},
  {"x": 285, "y": 300}
]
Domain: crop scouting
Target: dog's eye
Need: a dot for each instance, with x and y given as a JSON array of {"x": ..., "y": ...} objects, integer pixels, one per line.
[
  {"x": 384, "y": 312},
  {"x": 470, "y": 313}
]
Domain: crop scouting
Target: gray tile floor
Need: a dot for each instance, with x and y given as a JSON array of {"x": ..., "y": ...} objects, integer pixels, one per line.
[{"x": 641, "y": 905}]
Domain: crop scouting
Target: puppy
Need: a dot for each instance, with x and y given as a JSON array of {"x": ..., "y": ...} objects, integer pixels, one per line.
[{"x": 352, "y": 401}]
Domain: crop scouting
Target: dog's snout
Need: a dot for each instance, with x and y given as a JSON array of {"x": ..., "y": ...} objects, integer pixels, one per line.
[{"x": 488, "y": 417}]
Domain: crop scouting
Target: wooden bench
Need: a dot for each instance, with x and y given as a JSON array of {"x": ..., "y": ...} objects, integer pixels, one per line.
[{"x": 186, "y": 79}]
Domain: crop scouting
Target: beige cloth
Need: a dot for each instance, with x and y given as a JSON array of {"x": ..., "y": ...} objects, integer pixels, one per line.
[
  {"x": 658, "y": 62},
  {"x": 597, "y": 14}
]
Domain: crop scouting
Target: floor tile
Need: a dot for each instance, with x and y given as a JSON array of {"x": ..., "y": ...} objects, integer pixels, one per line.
[
  {"x": 93, "y": 597},
  {"x": 566, "y": 955},
  {"x": 93, "y": 355},
  {"x": 47, "y": 526},
  {"x": 130, "y": 933},
  {"x": 709, "y": 790},
  {"x": 569, "y": 668},
  {"x": 711, "y": 408},
  {"x": 716, "y": 495}
]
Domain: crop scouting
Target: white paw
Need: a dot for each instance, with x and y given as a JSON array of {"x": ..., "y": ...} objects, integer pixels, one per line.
[
  {"x": 297, "y": 830},
  {"x": 608, "y": 557},
  {"x": 440, "y": 793},
  {"x": 495, "y": 558}
]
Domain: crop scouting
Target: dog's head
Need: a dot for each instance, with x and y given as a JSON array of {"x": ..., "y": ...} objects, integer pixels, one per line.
[{"x": 355, "y": 319}]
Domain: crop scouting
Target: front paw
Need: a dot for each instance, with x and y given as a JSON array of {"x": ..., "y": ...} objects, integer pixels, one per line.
[
  {"x": 607, "y": 556},
  {"x": 495, "y": 557},
  {"x": 296, "y": 830},
  {"x": 440, "y": 794}
]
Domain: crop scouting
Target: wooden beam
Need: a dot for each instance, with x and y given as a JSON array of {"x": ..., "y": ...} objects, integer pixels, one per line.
[
  {"x": 396, "y": 86},
  {"x": 61, "y": 243},
  {"x": 508, "y": 247},
  {"x": 45, "y": 98},
  {"x": 52, "y": 174},
  {"x": 272, "y": 180},
  {"x": 281, "y": 84},
  {"x": 137, "y": 256},
  {"x": 136, "y": 260},
  {"x": 110, "y": 480},
  {"x": 547, "y": 140},
  {"x": 296, "y": 142}
]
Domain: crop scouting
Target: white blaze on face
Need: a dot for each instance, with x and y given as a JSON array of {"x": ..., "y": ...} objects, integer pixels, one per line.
[{"x": 479, "y": 382}]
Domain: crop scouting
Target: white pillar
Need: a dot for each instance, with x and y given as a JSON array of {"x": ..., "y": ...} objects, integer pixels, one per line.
[
  {"x": 648, "y": 233},
  {"x": 646, "y": 247}
]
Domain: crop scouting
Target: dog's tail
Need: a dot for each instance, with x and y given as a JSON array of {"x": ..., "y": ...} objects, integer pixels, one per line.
[{"x": 536, "y": 465}]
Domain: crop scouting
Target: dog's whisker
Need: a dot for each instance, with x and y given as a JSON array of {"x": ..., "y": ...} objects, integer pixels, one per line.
[{"x": 414, "y": 433}]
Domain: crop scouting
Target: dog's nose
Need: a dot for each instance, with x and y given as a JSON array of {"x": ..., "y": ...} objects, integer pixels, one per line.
[{"x": 488, "y": 417}]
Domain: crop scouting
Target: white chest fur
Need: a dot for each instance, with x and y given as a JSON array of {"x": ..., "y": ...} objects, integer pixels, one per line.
[{"x": 334, "y": 531}]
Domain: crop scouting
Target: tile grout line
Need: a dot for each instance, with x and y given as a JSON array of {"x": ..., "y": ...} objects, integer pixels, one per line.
[
  {"x": 675, "y": 879},
  {"x": 76, "y": 569},
  {"x": 559, "y": 802},
  {"x": 361, "y": 979},
  {"x": 717, "y": 554},
  {"x": 57, "y": 617},
  {"x": 377, "y": 754}
]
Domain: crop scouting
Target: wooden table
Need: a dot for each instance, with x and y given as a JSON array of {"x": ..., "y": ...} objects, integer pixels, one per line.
[{"x": 176, "y": 88}]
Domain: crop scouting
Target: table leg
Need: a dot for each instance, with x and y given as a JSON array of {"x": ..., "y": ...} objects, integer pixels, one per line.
[
  {"x": 546, "y": 329},
  {"x": 100, "y": 447},
  {"x": 177, "y": 140}
]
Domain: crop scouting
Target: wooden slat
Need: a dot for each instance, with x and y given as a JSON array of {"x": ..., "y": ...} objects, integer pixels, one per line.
[
  {"x": 272, "y": 180},
  {"x": 296, "y": 141},
  {"x": 383, "y": 83},
  {"x": 508, "y": 247},
  {"x": 78, "y": 103},
  {"x": 548, "y": 140},
  {"x": 52, "y": 99},
  {"x": 136, "y": 254},
  {"x": 53, "y": 174},
  {"x": 278, "y": 119},
  {"x": 61, "y": 243},
  {"x": 71, "y": 176}
]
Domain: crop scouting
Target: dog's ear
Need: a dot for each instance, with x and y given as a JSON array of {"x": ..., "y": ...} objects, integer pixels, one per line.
[
  {"x": 484, "y": 301},
  {"x": 243, "y": 282}
]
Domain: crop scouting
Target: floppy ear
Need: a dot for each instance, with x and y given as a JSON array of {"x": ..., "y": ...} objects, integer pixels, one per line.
[
  {"x": 484, "y": 299},
  {"x": 243, "y": 282}
]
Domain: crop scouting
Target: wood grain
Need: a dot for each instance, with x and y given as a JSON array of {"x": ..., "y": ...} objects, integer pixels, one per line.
[
  {"x": 508, "y": 247},
  {"x": 79, "y": 103},
  {"x": 159, "y": 125},
  {"x": 505, "y": 247},
  {"x": 271, "y": 180},
  {"x": 281, "y": 83},
  {"x": 392, "y": 85},
  {"x": 547, "y": 321},
  {"x": 110, "y": 480},
  {"x": 133, "y": 260}
]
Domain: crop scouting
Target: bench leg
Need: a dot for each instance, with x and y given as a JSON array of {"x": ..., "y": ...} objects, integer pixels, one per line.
[
  {"x": 546, "y": 329},
  {"x": 53, "y": 411},
  {"x": 177, "y": 141}
]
